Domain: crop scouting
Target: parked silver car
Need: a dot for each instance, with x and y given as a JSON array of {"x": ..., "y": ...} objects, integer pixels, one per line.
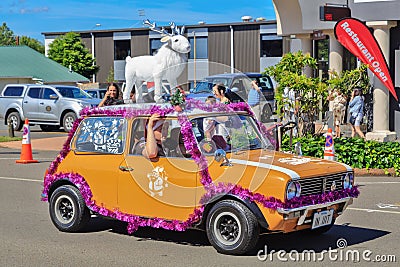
[{"x": 50, "y": 106}]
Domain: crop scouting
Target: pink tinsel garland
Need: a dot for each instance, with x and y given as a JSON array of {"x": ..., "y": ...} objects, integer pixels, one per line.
[{"x": 212, "y": 190}]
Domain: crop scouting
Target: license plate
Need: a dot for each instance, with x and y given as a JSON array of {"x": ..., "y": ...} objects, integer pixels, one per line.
[{"x": 322, "y": 218}]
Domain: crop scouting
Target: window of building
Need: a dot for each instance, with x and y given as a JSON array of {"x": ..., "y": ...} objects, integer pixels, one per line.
[
  {"x": 321, "y": 48},
  {"x": 200, "y": 45},
  {"x": 349, "y": 60},
  {"x": 122, "y": 49},
  {"x": 271, "y": 45},
  {"x": 155, "y": 44}
]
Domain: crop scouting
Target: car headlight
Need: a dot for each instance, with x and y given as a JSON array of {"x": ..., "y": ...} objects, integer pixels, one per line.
[
  {"x": 348, "y": 181},
  {"x": 293, "y": 190}
]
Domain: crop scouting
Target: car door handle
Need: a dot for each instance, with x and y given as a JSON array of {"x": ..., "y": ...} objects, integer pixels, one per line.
[
  {"x": 41, "y": 103},
  {"x": 125, "y": 168}
]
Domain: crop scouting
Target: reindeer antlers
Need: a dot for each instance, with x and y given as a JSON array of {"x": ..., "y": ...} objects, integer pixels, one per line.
[{"x": 174, "y": 29}]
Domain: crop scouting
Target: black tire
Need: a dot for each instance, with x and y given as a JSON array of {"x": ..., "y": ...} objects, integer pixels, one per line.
[
  {"x": 68, "y": 121},
  {"x": 48, "y": 128},
  {"x": 232, "y": 228},
  {"x": 266, "y": 113},
  {"x": 16, "y": 120},
  {"x": 67, "y": 208}
]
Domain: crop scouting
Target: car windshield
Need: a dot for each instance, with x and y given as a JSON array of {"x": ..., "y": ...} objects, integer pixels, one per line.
[
  {"x": 228, "y": 132},
  {"x": 203, "y": 87},
  {"x": 73, "y": 92}
]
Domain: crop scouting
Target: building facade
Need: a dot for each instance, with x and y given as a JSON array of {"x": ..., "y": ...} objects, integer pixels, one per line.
[
  {"x": 300, "y": 21},
  {"x": 248, "y": 46}
]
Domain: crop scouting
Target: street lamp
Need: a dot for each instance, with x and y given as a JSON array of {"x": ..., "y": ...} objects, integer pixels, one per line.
[{"x": 91, "y": 33}]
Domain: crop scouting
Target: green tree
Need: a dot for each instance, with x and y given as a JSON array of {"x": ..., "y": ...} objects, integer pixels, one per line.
[
  {"x": 110, "y": 76},
  {"x": 289, "y": 72},
  {"x": 6, "y": 35},
  {"x": 69, "y": 51},
  {"x": 349, "y": 79},
  {"x": 32, "y": 43}
]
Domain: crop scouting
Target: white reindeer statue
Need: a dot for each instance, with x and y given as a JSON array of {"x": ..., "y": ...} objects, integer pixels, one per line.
[{"x": 167, "y": 64}]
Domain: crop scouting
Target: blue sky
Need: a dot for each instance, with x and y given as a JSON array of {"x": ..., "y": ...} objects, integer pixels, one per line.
[{"x": 32, "y": 17}]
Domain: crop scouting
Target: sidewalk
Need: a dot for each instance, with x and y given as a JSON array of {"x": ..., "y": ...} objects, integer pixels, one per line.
[{"x": 47, "y": 144}]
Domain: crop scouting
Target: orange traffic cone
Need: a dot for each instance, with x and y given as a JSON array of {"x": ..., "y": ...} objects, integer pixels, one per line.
[
  {"x": 329, "y": 151},
  {"x": 26, "y": 152}
]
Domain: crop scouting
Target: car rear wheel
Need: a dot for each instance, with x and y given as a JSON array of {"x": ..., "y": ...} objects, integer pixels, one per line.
[
  {"x": 266, "y": 113},
  {"x": 68, "y": 121},
  {"x": 232, "y": 228},
  {"x": 68, "y": 211},
  {"x": 15, "y": 120}
]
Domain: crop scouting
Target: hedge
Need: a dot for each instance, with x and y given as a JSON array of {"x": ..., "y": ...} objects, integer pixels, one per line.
[{"x": 352, "y": 151}]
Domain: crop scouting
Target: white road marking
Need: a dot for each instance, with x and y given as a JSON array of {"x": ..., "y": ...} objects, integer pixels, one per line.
[
  {"x": 372, "y": 210},
  {"x": 20, "y": 179},
  {"x": 362, "y": 183}
]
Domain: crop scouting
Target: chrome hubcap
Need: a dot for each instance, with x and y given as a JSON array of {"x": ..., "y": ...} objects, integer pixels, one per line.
[
  {"x": 64, "y": 209},
  {"x": 227, "y": 228}
]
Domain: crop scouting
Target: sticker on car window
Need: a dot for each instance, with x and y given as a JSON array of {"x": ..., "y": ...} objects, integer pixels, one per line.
[{"x": 105, "y": 135}]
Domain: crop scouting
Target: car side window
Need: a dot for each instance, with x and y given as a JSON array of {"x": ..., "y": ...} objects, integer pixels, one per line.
[
  {"x": 13, "y": 91},
  {"x": 172, "y": 144},
  {"x": 34, "y": 92},
  {"x": 101, "y": 135},
  {"x": 47, "y": 93}
]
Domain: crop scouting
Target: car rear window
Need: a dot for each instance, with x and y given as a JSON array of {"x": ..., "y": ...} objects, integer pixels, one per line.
[
  {"x": 104, "y": 135},
  {"x": 13, "y": 91}
]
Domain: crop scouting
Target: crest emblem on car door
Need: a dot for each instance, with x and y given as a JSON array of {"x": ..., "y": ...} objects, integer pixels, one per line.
[{"x": 157, "y": 181}]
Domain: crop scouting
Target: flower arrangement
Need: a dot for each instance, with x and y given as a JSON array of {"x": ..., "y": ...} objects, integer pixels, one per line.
[{"x": 178, "y": 98}]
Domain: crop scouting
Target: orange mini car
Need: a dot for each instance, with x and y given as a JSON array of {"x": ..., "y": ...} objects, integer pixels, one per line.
[{"x": 215, "y": 170}]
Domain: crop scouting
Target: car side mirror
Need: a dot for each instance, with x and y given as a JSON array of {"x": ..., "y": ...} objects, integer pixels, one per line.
[
  {"x": 234, "y": 89},
  {"x": 54, "y": 96},
  {"x": 191, "y": 90}
]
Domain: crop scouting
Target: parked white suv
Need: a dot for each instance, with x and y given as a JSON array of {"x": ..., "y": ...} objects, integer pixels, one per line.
[{"x": 50, "y": 106}]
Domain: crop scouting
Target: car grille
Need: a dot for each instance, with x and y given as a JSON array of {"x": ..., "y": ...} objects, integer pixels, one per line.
[{"x": 318, "y": 185}]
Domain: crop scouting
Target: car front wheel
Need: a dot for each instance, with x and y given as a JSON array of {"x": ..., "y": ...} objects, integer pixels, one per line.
[
  {"x": 68, "y": 211},
  {"x": 232, "y": 228},
  {"x": 68, "y": 121}
]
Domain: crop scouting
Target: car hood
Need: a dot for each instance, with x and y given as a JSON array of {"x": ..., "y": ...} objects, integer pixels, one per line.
[{"x": 287, "y": 165}]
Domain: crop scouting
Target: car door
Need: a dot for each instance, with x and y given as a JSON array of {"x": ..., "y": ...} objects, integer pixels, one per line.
[
  {"x": 164, "y": 187},
  {"x": 31, "y": 103},
  {"x": 48, "y": 105}
]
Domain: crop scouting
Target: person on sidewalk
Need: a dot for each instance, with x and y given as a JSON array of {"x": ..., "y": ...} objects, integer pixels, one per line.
[
  {"x": 339, "y": 109},
  {"x": 253, "y": 99},
  {"x": 356, "y": 106}
]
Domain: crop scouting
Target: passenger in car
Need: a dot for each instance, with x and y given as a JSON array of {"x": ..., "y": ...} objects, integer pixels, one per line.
[
  {"x": 154, "y": 137},
  {"x": 219, "y": 91},
  {"x": 112, "y": 96}
]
